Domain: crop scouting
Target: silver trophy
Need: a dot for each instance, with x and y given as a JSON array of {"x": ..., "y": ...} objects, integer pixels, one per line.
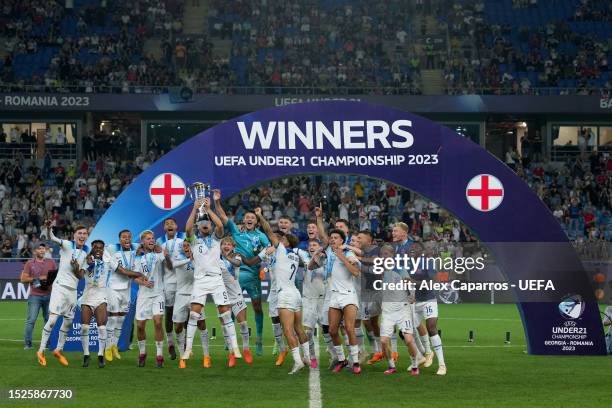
[{"x": 200, "y": 191}]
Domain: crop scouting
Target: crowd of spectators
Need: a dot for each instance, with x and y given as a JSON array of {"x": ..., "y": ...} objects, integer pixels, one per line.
[
  {"x": 578, "y": 193},
  {"x": 494, "y": 51},
  {"x": 68, "y": 194},
  {"x": 327, "y": 46},
  {"x": 80, "y": 49},
  {"x": 316, "y": 44}
]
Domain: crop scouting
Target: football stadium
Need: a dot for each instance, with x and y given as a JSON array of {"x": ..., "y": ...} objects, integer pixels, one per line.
[{"x": 305, "y": 203}]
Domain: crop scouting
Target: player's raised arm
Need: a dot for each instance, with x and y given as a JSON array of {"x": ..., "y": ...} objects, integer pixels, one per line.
[
  {"x": 320, "y": 226},
  {"x": 265, "y": 226},
  {"x": 50, "y": 233},
  {"x": 218, "y": 207},
  {"x": 214, "y": 218},
  {"x": 191, "y": 219}
]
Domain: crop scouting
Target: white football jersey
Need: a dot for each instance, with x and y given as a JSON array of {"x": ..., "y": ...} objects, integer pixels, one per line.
[
  {"x": 120, "y": 257},
  {"x": 284, "y": 264},
  {"x": 97, "y": 274},
  {"x": 184, "y": 274},
  {"x": 341, "y": 279},
  {"x": 174, "y": 246},
  {"x": 206, "y": 254},
  {"x": 68, "y": 252},
  {"x": 150, "y": 265}
]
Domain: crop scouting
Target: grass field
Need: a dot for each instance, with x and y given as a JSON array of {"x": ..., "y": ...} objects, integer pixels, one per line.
[{"x": 484, "y": 373}]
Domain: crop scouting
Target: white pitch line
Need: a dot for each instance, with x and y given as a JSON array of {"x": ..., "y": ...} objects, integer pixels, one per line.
[{"x": 314, "y": 383}]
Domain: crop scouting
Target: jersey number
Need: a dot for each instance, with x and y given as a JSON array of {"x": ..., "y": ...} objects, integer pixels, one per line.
[{"x": 293, "y": 269}]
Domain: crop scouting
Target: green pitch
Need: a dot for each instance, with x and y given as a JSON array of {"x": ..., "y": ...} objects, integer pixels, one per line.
[{"x": 484, "y": 373}]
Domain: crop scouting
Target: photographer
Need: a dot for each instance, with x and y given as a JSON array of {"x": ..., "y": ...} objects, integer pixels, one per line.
[{"x": 35, "y": 273}]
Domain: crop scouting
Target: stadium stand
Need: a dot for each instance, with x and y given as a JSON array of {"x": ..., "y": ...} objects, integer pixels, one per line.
[{"x": 454, "y": 47}]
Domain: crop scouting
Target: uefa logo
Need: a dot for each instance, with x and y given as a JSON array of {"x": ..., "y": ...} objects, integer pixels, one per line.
[{"x": 572, "y": 307}]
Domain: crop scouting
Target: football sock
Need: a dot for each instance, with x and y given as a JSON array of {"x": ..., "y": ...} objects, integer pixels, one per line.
[
  {"x": 278, "y": 336},
  {"x": 110, "y": 330},
  {"x": 354, "y": 350},
  {"x": 436, "y": 343},
  {"x": 244, "y": 332},
  {"x": 192, "y": 325},
  {"x": 118, "y": 328},
  {"x": 339, "y": 353},
  {"x": 360, "y": 339},
  {"x": 170, "y": 338},
  {"x": 295, "y": 352},
  {"x": 230, "y": 330},
  {"x": 204, "y": 340},
  {"x": 306, "y": 350},
  {"x": 330, "y": 345},
  {"x": 142, "y": 346},
  {"x": 63, "y": 333},
  {"x": 46, "y": 332},
  {"x": 180, "y": 339},
  {"x": 85, "y": 338},
  {"x": 102, "y": 337},
  {"x": 426, "y": 345}
]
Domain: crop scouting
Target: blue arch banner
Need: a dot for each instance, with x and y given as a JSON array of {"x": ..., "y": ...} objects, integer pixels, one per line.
[{"x": 359, "y": 138}]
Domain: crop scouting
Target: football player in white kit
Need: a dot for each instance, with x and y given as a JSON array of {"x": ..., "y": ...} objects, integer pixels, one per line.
[
  {"x": 284, "y": 265},
  {"x": 396, "y": 312},
  {"x": 314, "y": 289},
  {"x": 73, "y": 258},
  {"x": 318, "y": 260},
  {"x": 150, "y": 302},
  {"x": 344, "y": 303},
  {"x": 94, "y": 299},
  {"x": 171, "y": 244},
  {"x": 208, "y": 280},
  {"x": 230, "y": 265},
  {"x": 371, "y": 299},
  {"x": 426, "y": 309},
  {"x": 122, "y": 272},
  {"x": 352, "y": 243},
  {"x": 183, "y": 266}
]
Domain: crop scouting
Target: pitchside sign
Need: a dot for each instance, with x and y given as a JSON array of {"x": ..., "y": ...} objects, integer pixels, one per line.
[{"x": 358, "y": 138}]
